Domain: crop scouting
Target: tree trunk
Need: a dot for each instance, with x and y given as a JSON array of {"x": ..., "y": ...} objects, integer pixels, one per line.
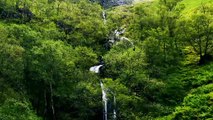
[
  {"x": 52, "y": 102},
  {"x": 45, "y": 104}
]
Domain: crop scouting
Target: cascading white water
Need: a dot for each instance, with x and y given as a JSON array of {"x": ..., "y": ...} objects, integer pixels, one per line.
[
  {"x": 96, "y": 69},
  {"x": 104, "y": 94},
  {"x": 116, "y": 37},
  {"x": 104, "y": 98},
  {"x": 104, "y": 16},
  {"x": 114, "y": 111},
  {"x": 127, "y": 39}
]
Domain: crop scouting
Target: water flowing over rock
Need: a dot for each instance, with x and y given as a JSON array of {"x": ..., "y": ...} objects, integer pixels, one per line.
[
  {"x": 116, "y": 37},
  {"x": 127, "y": 39},
  {"x": 114, "y": 111},
  {"x": 104, "y": 16},
  {"x": 104, "y": 99},
  {"x": 96, "y": 69}
]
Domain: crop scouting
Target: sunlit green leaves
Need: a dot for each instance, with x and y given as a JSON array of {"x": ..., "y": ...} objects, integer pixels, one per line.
[{"x": 16, "y": 110}]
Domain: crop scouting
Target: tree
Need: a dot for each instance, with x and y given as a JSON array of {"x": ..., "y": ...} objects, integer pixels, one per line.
[
  {"x": 197, "y": 31},
  {"x": 17, "y": 110},
  {"x": 47, "y": 64},
  {"x": 63, "y": 81},
  {"x": 160, "y": 41},
  {"x": 11, "y": 59}
]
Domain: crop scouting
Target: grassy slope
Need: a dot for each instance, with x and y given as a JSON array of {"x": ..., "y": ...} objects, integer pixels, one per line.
[{"x": 192, "y": 4}]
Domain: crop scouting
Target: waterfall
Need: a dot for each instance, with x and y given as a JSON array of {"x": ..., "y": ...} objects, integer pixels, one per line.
[
  {"x": 96, "y": 69},
  {"x": 116, "y": 37},
  {"x": 104, "y": 16},
  {"x": 114, "y": 111},
  {"x": 104, "y": 99},
  {"x": 127, "y": 39}
]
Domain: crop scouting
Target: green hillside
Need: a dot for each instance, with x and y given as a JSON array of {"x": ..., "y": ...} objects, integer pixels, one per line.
[
  {"x": 189, "y": 4},
  {"x": 106, "y": 60},
  {"x": 192, "y": 4}
]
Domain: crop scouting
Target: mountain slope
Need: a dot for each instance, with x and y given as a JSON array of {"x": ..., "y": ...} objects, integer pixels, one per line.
[{"x": 192, "y": 4}]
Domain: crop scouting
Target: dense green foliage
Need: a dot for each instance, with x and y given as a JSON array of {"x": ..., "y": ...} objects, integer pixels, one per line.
[{"x": 163, "y": 71}]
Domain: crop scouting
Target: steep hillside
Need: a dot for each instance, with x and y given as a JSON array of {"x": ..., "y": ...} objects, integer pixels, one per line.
[
  {"x": 105, "y": 60},
  {"x": 192, "y": 4}
]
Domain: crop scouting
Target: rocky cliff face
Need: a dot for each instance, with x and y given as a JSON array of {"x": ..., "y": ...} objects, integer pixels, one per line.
[{"x": 110, "y": 3}]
